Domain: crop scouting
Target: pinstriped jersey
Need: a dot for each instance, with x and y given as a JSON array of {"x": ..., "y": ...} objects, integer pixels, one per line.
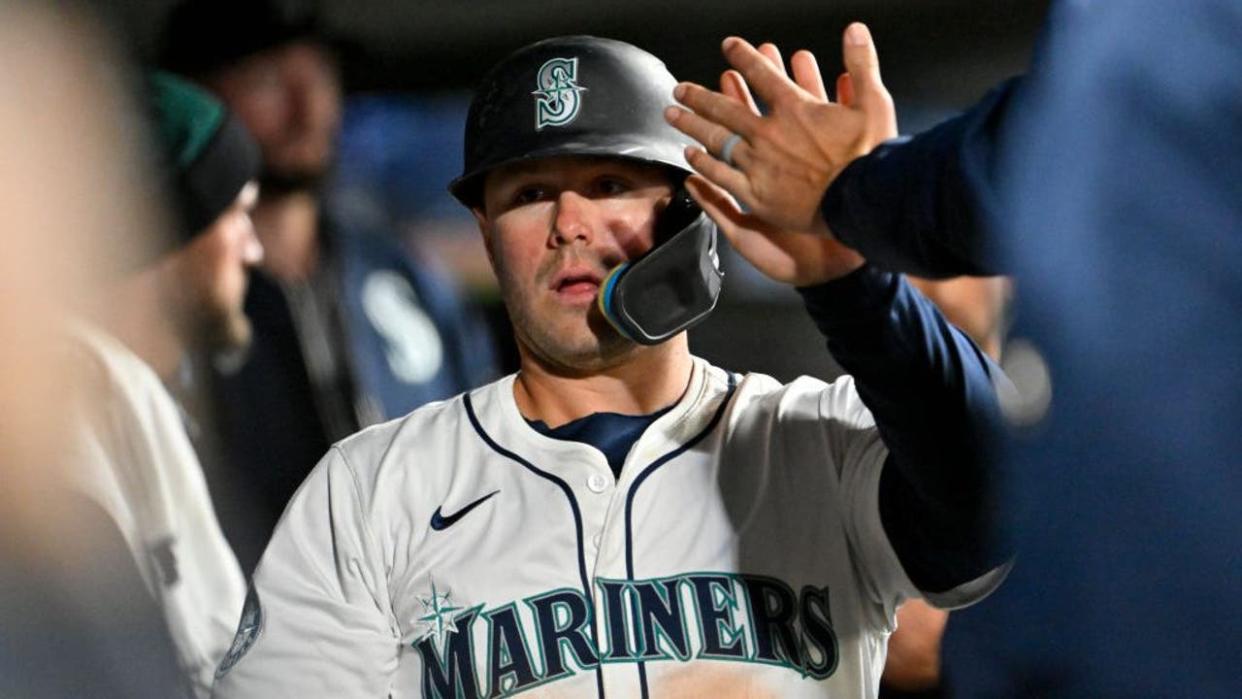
[{"x": 459, "y": 552}]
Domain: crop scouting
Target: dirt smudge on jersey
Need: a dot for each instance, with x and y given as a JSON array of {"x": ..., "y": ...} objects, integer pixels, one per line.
[{"x": 718, "y": 682}]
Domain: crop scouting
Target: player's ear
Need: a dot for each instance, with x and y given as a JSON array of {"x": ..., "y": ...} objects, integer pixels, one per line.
[{"x": 485, "y": 229}]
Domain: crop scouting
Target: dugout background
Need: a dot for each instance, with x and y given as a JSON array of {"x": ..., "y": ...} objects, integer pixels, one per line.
[{"x": 409, "y": 82}]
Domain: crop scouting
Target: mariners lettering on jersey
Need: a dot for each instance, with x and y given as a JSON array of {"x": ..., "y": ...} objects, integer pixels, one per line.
[
  {"x": 694, "y": 616},
  {"x": 559, "y": 96}
]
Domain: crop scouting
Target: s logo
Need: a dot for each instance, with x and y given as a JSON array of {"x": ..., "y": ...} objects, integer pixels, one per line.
[
  {"x": 412, "y": 343},
  {"x": 559, "y": 97}
]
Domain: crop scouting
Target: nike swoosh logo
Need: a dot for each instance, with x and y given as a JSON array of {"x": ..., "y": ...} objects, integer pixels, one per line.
[{"x": 440, "y": 522}]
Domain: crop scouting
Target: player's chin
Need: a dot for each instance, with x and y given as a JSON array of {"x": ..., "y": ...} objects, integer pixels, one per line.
[
  {"x": 228, "y": 331},
  {"x": 573, "y": 348},
  {"x": 602, "y": 351},
  {"x": 606, "y": 335}
]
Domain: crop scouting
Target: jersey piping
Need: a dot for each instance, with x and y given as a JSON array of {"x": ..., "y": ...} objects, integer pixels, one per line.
[
  {"x": 638, "y": 481},
  {"x": 573, "y": 504}
]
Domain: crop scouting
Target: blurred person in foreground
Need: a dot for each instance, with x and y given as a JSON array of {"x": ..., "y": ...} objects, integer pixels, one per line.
[
  {"x": 130, "y": 449},
  {"x": 350, "y": 330},
  {"x": 1109, "y": 182},
  {"x": 75, "y": 617}
]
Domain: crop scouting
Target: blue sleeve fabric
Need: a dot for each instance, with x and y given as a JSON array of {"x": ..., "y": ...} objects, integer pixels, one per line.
[
  {"x": 924, "y": 204},
  {"x": 931, "y": 392}
]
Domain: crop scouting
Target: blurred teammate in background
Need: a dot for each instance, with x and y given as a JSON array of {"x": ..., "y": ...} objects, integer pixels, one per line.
[
  {"x": 130, "y": 452},
  {"x": 350, "y": 330}
]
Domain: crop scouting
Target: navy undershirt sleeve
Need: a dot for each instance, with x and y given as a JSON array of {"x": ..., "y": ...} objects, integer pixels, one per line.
[
  {"x": 931, "y": 392},
  {"x": 925, "y": 204}
]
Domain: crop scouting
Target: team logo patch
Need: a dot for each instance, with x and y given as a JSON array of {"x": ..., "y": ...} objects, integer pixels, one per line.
[
  {"x": 559, "y": 97},
  {"x": 166, "y": 561},
  {"x": 248, "y": 630},
  {"x": 437, "y": 622}
]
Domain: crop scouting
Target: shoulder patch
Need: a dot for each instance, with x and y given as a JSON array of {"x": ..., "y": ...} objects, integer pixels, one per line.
[{"x": 248, "y": 631}]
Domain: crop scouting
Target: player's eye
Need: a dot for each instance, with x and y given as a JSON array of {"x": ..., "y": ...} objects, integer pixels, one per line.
[
  {"x": 529, "y": 194},
  {"x": 611, "y": 186}
]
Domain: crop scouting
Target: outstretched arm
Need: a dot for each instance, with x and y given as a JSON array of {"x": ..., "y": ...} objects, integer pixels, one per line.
[
  {"x": 928, "y": 386},
  {"x": 931, "y": 391}
]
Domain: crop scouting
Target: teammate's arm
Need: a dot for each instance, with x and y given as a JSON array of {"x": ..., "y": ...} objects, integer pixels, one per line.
[
  {"x": 925, "y": 204},
  {"x": 931, "y": 392},
  {"x": 318, "y": 621},
  {"x": 927, "y": 385}
]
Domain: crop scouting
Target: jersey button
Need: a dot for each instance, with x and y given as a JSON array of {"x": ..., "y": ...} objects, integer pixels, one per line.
[
  {"x": 595, "y": 541},
  {"x": 597, "y": 483}
]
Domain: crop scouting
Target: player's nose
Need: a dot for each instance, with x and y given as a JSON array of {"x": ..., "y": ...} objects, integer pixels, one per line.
[
  {"x": 252, "y": 248},
  {"x": 575, "y": 219}
]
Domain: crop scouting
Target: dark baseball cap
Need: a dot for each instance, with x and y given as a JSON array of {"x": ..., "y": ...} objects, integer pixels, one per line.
[
  {"x": 205, "y": 153},
  {"x": 201, "y": 36}
]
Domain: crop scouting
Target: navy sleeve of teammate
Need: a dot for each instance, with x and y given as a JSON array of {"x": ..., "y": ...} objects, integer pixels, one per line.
[
  {"x": 923, "y": 204},
  {"x": 931, "y": 392}
]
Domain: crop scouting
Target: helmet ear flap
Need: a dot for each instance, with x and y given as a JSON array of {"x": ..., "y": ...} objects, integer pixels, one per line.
[
  {"x": 572, "y": 95},
  {"x": 672, "y": 287}
]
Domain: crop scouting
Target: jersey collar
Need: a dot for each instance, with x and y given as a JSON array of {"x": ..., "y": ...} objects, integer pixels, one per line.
[{"x": 498, "y": 414}]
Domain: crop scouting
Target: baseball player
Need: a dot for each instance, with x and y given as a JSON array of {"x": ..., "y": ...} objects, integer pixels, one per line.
[
  {"x": 620, "y": 518},
  {"x": 351, "y": 329},
  {"x": 130, "y": 452}
]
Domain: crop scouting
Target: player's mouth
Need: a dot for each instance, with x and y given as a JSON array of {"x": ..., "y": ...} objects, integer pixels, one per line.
[{"x": 576, "y": 285}]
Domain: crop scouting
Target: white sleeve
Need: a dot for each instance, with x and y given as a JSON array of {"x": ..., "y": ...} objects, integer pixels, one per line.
[
  {"x": 858, "y": 454},
  {"x": 318, "y": 621}
]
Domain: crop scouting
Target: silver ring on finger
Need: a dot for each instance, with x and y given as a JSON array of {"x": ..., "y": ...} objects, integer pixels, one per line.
[{"x": 726, "y": 149}]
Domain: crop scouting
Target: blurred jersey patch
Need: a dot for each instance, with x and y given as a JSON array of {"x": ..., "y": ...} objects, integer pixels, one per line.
[{"x": 248, "y": 630}]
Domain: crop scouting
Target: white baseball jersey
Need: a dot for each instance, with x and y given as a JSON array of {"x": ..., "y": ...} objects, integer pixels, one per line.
[
  {"x": 459, "y": 552},
  {"x": 130, "y": 453}
]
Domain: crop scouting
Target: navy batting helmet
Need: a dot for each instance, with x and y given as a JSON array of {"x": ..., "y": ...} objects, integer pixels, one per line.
[{"x": 573, "y": 95}]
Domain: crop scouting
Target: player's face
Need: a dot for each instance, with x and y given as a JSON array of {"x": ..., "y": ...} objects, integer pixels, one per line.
[
  {"x": 214, "y": 274},
  {"x": 290, "y": 98},
  {"x": 554, "y": 228}
]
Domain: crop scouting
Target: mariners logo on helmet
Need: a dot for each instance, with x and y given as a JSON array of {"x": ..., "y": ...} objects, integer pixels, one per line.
[{"x": 559, "y": 97}]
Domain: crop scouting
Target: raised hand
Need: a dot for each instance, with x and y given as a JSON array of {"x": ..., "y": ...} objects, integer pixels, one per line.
[
  {"x": 780, "y": 164},
  {"x": 789, "y": 256}
]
